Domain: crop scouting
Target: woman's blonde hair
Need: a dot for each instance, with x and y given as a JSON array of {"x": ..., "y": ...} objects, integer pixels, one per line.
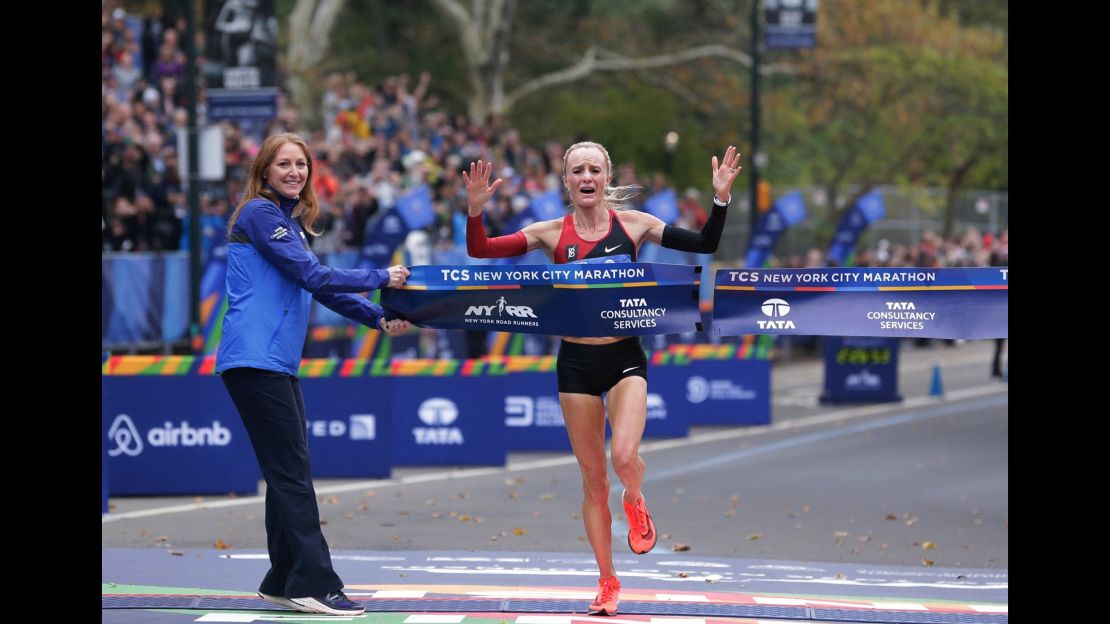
[
  {"x": 614, "y": 197},
  {"x": 308, "y": 208}
]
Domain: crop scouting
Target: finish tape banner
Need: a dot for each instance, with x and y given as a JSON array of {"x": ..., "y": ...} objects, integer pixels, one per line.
[
  {"x": 621, "y": 299},
  {"x": 968, "y": 303}
]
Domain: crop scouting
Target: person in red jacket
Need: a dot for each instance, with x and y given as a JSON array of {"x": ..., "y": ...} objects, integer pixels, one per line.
[{"x": 588, "y": 367}]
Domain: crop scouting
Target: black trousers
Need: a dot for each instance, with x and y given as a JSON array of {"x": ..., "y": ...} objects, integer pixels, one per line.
[{"x": 272, "y": 410}]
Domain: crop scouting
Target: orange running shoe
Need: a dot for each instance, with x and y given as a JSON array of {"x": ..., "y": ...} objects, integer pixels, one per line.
[
  {"x": 641, "y": 528},
  {"x": 608, "y": 597}
]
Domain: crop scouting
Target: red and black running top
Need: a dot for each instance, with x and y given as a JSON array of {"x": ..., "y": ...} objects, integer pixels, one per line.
[{"x": 571, "y": 247}]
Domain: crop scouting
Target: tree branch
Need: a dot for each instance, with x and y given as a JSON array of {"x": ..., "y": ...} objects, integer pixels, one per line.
[{"x": 590, "y": 63}]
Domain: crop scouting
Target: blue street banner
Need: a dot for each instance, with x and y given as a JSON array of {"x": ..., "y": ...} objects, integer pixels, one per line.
[
  {"x": 383, "y": 235},
  {"x": 906, "y": 302},
  {"x": 867, "y": 210},
  {"x": 213, "y": 299},
  {"x": 663, "y": 205},
  {"x": 625, "y": 299},
  {"x": 790, "y": 23},
  {"x": 415, "y": 208},
  {"x": 787, "y": 211},
  {"x": 861, "y": 370}
]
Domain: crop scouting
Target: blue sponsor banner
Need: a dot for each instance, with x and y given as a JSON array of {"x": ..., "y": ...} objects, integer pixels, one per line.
[
  {"x": 861, "y": 370},
  {"x": 968, "y": 303},
  {"x": 666, "y": 418},
  {"x": 532, "y": 415},
  {"x": 560, "y": 300},
  {"x": 415, "y": 208},
  {"x": 714, "y": 392},
  {"x": 451, "y": 421},
  {"x": 534, "y": 418},
  {"x": 663, "y": 205},
  {"x": 192, "y": 444},
  {"x": 867, "y": 210},
  {"x": 787, "y": 211},
  {"x": 348, "y": 426}
]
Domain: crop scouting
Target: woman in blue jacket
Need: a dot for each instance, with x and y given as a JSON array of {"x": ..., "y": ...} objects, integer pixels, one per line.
[{"x": 272, "y": 276}]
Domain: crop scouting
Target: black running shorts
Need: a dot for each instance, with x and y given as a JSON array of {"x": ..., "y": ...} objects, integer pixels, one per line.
[{"x": 595, "y": 369}]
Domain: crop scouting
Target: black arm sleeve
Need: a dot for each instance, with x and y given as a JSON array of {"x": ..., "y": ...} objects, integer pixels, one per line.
[{"x": 704, "y": 241}]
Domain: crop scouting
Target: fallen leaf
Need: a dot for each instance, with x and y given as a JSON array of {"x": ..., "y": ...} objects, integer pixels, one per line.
[
  {"x": 513, "y": 494},
  {"x": 841, "y": 534},
  {"x": 395, "y": 538},
  {"x": 370, "y": 494},
  {"x": 683, "y": 575},
  {"x": 464, "y": 518},
  {"x": 162, "y": 538},
  {"x": 546, "y": 497},
  {"x": 666, "y": 536},
  {"x": 806, "y": 508},
  {"x": 430, "y": 502},
  {"x": 840, "y": 577},
  {"x": 754, "y": 536},
  {"x": 364, "y": 507},
  {"x": 928, "y": 546},
  {"x": 911, "y": 519},
  {"x": 891, "y": 516},
  {"x": 679, "y": 547},
  {"x": 177, "y": 553},
  {"x": 323, "y": 521},
  {"x": 220, "y": 545},
  {"x": 436, "y": 515},
  {"x": 864, "y": 538},
  {"x": 519, "y": 531},
  {"x": 927, "y": 562},
  {"x": 734, "y": 501}
]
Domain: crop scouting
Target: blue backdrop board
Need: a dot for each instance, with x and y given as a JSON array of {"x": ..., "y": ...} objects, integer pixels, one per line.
[
  {"x": 448, "y": 420},
  {"x": 860, "y": 370},
  {"x": 715, "y": 392},
  {"x": 348, "y": 426},
  {"x": 531, "y": 412},
  {"x": 176, "y": 434}
]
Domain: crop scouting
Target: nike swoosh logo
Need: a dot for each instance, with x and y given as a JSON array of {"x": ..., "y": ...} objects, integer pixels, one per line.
[
  {"x": 628, "y": 369},
  {"x": 609, "y": 249}
]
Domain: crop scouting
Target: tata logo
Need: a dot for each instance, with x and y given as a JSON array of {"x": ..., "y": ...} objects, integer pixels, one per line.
[
  {"x": 501, "y": 307},
  {"x": 437, "y": 413},
  {"x": 776, "y": 309}
]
